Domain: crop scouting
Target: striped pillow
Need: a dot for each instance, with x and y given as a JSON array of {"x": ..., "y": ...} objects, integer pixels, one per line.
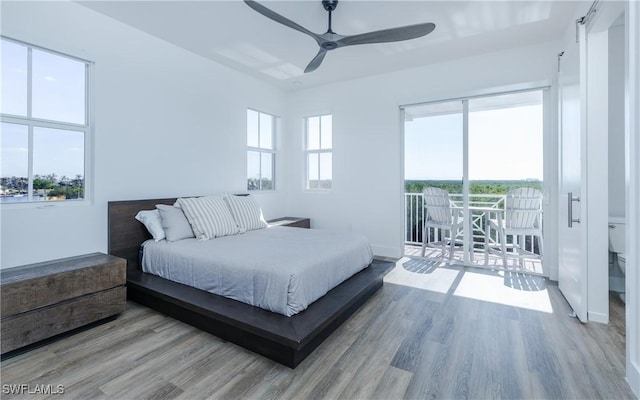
[
  {"x": 209, "y": 216},
  {"x": 247, "y": 212}
]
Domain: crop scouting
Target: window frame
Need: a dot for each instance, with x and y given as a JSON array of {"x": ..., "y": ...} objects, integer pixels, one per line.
[
  {"x": 32, "y": 122},
  {"x": 263, "y": 150},
  {"x": 319, "y": 151}
]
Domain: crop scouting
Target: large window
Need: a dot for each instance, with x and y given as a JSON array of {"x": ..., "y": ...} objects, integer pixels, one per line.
[
  {"x": 261, "y": 156},
  {"x": 44, "y": 124},
  {"x": 318, "y": 152}
]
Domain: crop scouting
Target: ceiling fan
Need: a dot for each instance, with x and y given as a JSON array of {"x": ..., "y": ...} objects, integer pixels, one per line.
[{"x": 331, "y": 40}]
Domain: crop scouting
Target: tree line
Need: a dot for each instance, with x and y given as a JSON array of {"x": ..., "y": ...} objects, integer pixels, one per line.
[
  {"x": 46, "y": 185},
  {"x": 475, "y": 187}
]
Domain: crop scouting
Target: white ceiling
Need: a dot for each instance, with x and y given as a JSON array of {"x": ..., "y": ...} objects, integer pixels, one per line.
[{"x": 233, "y": 34}]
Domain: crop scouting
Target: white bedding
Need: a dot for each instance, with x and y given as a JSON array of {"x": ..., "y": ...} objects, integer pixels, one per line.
[{"x": 281, "y": 269}]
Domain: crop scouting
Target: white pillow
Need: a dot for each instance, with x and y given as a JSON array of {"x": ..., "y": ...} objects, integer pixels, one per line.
[
  {"x": 246, "y": 212},
  {"x": 209, "y": 216},
  {"x": 175, "y": 224},
  {"x": 151, "y": 220}
]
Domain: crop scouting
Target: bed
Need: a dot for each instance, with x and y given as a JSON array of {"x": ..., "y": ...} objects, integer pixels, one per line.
[{"x": 285, "y": 339}]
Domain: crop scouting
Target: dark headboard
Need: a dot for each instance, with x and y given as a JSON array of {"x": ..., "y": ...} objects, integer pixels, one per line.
[{"x": 125, "y": 233}]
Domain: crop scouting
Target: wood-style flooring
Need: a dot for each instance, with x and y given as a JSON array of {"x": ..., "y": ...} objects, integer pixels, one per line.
[{"x": 429, "y": 333}]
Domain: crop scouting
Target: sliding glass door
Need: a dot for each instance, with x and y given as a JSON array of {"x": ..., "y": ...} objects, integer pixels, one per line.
[{"x": 478, "y": 150}]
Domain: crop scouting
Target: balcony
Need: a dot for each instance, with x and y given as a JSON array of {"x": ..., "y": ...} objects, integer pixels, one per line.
[{"x": 482, "y": 206}]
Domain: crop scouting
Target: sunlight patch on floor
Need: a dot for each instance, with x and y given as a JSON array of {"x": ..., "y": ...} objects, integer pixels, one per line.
[
  {"x": 507, "y": 288},
  {"x": 426, "y": 276},
  {"x": 501, "y": 287}
]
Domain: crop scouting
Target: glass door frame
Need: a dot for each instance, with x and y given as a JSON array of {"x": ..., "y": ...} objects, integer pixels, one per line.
[{"x": 467, "y": 246}]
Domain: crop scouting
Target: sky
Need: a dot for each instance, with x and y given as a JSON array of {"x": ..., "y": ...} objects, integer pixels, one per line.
[
  {"x": 504, "y": 144},
  {"x": 56, "y": 151},
  {"x": 58, "y": 94}
]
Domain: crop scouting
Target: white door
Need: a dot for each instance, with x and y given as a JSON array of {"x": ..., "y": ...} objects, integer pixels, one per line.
[{"x": 572, "y": 268}]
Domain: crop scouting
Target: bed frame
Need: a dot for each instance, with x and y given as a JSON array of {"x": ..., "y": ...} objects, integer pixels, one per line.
[{"x": 287, "y": 340}]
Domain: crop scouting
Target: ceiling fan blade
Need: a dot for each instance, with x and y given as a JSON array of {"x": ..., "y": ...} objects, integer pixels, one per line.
[
  {"x": 317, "y": 60},
  {"x": 279, "y": 18},
  {"x": 388, "y": 35}
]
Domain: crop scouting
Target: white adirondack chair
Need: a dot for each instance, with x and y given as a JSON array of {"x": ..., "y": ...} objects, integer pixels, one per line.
[
  {"x": 522, "y": 217},
  {"x": 440, "y": 214}
]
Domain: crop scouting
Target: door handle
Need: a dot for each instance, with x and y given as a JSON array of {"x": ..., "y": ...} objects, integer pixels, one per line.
[{"x": 570, "y": 219}]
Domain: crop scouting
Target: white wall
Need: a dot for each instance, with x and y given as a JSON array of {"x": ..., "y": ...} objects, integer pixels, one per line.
[
  {"x": 367, "y": 195},
  {"x": 632, "y": 142},
  {"x": 167, "y": 123},
  {"x": 616, "y": 122}
]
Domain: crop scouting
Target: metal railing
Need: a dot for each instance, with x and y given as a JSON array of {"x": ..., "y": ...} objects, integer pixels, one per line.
[
  {"x": 415, "y": 213},
  {"x": 482, "y": 206}
]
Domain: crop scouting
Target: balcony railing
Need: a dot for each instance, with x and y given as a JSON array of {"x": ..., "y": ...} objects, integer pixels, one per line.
[{"x": 481, "y": 207}]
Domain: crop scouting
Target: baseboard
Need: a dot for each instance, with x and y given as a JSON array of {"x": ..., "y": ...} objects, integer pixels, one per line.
[
  {"x": 633, "y": 377},
  {"x": 386, "y": 251},
  {"x": 598, "y": 317}
]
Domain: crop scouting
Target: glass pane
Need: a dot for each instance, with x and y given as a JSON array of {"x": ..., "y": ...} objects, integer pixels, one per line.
[
  {"x": 266, "y": 131},
  {"x": 433, "y": 157},
  {"x": 312, "y": 171},
  {"x": 326, "y": 132},
  {"x": 433, "y": 147},
  {"x": 253, "y": 170},
  {"x": 13, "y": 97},
  {"x": 505, "y": 153},
  {"x": 58, "y": 164},
  {"x": 252, "y": 128},
  {"x": 58, "y": 88},
  {"x": 313, "y": 133},
  {"x": 505, "y": 142},
  {"x": 326, "y": 170},
  {"x": 267, "y": 171},
  {"x": 14, "y": 141}
]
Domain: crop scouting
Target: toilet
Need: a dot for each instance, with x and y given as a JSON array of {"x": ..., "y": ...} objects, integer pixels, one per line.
[{"x": 617, "y": 237}]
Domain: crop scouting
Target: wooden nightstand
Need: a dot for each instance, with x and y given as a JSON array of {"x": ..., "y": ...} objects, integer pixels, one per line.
[{"x": 294, "y": 222}]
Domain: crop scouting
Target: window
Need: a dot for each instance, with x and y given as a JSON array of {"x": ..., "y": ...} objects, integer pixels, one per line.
[
  {"x": 44, "y": 124},
  {"x": 261, "y": 155},
  {"x": 318, "y": 145}
]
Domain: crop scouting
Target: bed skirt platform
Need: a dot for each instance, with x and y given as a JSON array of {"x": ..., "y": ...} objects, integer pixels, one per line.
[{"x": 287, "y": 340}]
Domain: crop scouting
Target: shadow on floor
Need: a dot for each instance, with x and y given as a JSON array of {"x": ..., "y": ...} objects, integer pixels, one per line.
[
  {"x": 422, "y": 265},
  {"x": 526, "y": 282}
]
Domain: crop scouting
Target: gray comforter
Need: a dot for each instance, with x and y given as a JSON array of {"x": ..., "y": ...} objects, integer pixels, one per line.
[{"x": 280, "y": 269}]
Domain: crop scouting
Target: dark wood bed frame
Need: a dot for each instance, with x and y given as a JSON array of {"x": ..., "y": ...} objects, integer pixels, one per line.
[{"x": 287, "y": 340}]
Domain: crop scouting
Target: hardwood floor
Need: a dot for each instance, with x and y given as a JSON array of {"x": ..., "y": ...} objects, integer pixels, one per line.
[{"x": 428, "y": 333}]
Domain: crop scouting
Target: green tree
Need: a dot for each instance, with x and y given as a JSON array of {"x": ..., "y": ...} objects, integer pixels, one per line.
[{"x": 42, "y": 182}]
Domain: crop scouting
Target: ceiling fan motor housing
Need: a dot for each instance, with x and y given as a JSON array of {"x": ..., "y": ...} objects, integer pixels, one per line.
[
  {"x": 329, "y": 45},
  {"x": 330, "y": 5}
]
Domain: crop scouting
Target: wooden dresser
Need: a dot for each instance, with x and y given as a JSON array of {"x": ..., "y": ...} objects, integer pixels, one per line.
[{"x": 45, "y": 299}]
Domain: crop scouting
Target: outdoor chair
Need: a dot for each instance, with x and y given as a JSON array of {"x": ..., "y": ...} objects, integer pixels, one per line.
[
  {"x": 443, "y": 215},
  {"x": 522, "y": 217}
]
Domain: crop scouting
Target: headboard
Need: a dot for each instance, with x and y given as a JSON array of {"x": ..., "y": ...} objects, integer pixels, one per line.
[{"x": 125, "y": 233}]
